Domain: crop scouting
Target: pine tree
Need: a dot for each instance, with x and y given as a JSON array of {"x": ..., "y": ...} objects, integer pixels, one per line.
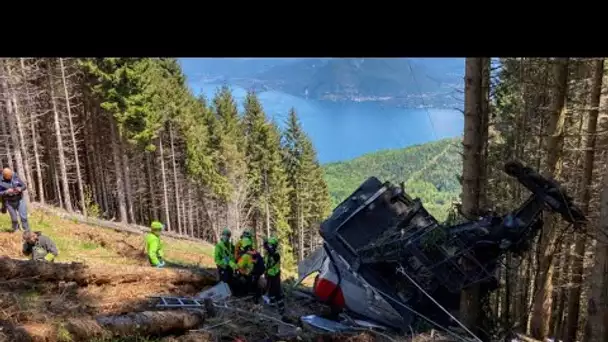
[
  {"x": 301, "y": 167},
  {"x": 277, "y": 195},
  {"x": 256, "y": 131},
  {"x": 228, "y": 139}
]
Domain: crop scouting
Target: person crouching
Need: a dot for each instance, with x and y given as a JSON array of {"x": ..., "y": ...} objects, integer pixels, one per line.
[
  {"x": 154, "y": 246},
  {"x": 39, "y": 247}
]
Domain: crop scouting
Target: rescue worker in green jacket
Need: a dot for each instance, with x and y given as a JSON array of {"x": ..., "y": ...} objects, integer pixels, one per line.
[
  {"x": 223, "y": 255},
  {"x": 250, "y": 267},
  {"x": 237, "y": 248},
  {"x": 154, "y": 246},
  {"x": 39, "y": 247},
  {"x": 272, "y": 261}
]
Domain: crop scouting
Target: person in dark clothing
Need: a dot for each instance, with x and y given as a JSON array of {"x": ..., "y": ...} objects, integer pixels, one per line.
[
  {"x": 250, "y": 268},
  {"x": 272, "y": 262},
  {"x": 39, "y": 247},
  {"x": 11, "y": 192}
]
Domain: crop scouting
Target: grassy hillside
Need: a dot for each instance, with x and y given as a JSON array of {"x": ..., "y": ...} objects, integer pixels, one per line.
[
  {"x": 429, "y": 172},
  {"x": 34, "y": 308}
]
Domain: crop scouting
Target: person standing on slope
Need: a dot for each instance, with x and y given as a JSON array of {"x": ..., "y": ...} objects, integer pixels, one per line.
[
  {"x": 11, "y": 191},
  {"x": 223, "y": 254},
  {"x": 154, "y": 246},
  {"x": 272, "y": 261},
  {"x": 250, "y": 268},
  {"x": 39, "y": 247}
]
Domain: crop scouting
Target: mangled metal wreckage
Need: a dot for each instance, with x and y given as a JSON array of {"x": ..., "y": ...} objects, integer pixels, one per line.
[{"x": 386, "y": 259}]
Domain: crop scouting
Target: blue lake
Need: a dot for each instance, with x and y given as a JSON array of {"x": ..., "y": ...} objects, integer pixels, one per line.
[{"x": 345, "y": 130}]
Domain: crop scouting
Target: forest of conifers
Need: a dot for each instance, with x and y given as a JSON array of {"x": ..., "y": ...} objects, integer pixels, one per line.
[
  {"x": 548, "y": 113},
  {"x": 125, "y": 139}
]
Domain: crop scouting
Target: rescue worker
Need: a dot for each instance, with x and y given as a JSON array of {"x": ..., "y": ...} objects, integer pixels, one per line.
[
  {"x": 154, "y": 246},
  {"x": 39, "y": 247},
  {"x": 224, "y": 258},
  {"x": 272, "y": 263},
  {"x": 237, "y": 248},
  {"x": 11, "y": 191},
  {"x": 250, "y": 267}
]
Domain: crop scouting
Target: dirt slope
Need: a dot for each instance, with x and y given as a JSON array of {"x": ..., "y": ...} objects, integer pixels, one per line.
[
  {"x": 102, "y": 272},
  {"x": 36, "y": 304}
]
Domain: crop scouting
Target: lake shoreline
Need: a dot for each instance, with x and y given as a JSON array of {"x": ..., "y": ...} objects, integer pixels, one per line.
[{"x": 344, "y": 130}]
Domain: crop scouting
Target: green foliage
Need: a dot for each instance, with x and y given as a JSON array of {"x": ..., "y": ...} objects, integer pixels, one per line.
[
  {"x": 428, "y": 171},
  {"x": 308, "y": 194},
  {"x": 93, "y": 209},
  {"x": 227, "y": 142}
]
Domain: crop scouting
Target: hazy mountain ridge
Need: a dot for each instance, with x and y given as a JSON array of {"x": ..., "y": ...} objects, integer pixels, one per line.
[{"x": 411, "y": 82}]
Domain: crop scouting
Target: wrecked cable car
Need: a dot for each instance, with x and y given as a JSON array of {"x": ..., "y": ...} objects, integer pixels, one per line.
[{"x": 386, "y": 259}]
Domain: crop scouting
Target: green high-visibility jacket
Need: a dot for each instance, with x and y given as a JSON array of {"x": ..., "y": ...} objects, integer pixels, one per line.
[
  {"x": 154, "y": 249},
  {"x": 273, "y": 264},
  {"x": 223, "y": 254}
]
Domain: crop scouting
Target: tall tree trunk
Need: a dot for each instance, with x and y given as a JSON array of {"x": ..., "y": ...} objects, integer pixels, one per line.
[
  {"x": 596, "y": 329},
  {"x": 184, "y": 229},
  {"x": 63, "y": 171},
  {"x": 190, "y": 211},
  {"x": 175, "y": 183},
  {"x": 267, "y": 210},
  {"x": 544, "y": 300},
  {"x": 79, "y": 179},
  {"x": 20, "y": 130},
  {"x": 165, "y": 187},
  {"x": 151, "y": 188},
  {"x": 33, "y": 118},
  {"x": 5, "y": 132},
  {"x": 12, "y": 123},
  {"x": 586, "y": 181},
  {"x": 118, "y": 170},
  {"x": 472, "y": 172},
  {"x": 300, "y": 226},
  {"x": 127, "y": 180}
]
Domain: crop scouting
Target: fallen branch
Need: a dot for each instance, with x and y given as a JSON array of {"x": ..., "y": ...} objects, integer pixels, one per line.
[
  {"x": 147, "y": 323},
  {"x": 84, "y": 275}
]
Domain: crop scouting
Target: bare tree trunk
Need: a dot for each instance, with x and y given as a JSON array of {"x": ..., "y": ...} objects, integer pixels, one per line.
[
  {"x": 67, "y": 201},
  {"x": 127, "y": 180},
  {"x": 471, "y": 173},
  {"x": 544, "y": 300},
  {"x": 596, "y": 329},
  {"x": 73, "y": 135},
  {"x": 586, "y": 181},
  {"x": 7, "y": 143},
  {"x": 32, "y": 110},
  {"x": 151, "y": 187},
  {"x": 12, "y": 122},
  {"x": 184, "y": 229},
  {"x": 175, "y": 183},
  {"x": 190, "y": 214},
  {"x": 267, "y": 210},
  {"x": 118, "y": 169},
  {"x": 19, "y": 127},
  {"x": 300, "y": 227},
  {"x": 165, "y": 189}
]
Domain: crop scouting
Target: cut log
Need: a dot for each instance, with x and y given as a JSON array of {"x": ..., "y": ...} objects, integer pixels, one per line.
[
  {"x": 147, "y": 323},
  {"x": 12, "y": 269}
]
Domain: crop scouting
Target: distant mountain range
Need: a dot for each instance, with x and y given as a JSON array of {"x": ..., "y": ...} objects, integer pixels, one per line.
[{"x": 411, "y": 82}]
